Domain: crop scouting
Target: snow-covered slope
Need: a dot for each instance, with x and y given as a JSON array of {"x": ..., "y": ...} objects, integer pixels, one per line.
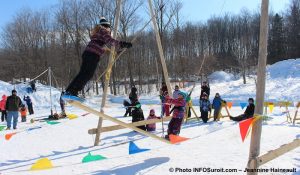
[{"x": 214, "y": 145}]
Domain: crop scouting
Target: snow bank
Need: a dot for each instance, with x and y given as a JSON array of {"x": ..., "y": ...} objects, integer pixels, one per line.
[
  {"x": 221, "y": 76},
  {"x": 40, "y": 98},
  {"x": 285, "y": 69}
]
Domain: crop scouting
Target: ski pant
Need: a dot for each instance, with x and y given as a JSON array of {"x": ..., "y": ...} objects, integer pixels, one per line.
[
  {"x": 12, "y": 115},
  {"x": 23, "y": 118},
  {"x": 88, "y": 67},
  {"x": 165, "y": 110},
  {"x": 174, "y": 126},
  {"x": 216, "y": 113},
  {"x": 30, "y": 109},
  {"x": 128, "y": 111},
  {"x": 3, "y": 115},
  {"x": 204, "y": 116},
  {"x": 240, "y": 117}
]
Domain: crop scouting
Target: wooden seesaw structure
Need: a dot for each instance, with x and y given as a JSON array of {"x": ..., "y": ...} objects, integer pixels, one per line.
[{"x": 122, "y": 124}]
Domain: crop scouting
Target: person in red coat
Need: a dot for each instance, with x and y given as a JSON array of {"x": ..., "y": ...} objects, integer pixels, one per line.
[{"x": 3, "y": 109}]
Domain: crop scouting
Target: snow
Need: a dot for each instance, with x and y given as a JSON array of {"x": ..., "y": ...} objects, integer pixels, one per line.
[{"x": 213, "y": 145}]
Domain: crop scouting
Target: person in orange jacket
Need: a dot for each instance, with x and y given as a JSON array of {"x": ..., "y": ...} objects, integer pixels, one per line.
[
  {"x": 23, "y": 111},
  {"x": 2, "y": 108}
]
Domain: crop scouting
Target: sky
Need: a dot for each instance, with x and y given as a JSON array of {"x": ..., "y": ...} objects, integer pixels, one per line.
[{"x": 193, "y": 10}]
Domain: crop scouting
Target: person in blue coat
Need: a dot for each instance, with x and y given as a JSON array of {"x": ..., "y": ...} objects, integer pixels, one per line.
[
  {"x": 29, "y": 104},
  {"x": 216, "y": 105},
  {"x": 204, "y": 108}
]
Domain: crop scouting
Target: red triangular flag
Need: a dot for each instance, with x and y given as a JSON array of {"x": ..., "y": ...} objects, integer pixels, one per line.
[
  {"x": 8, "y": 136},
  {"x": 244, "y": 127},
  {"x": 176, "y": 139}
]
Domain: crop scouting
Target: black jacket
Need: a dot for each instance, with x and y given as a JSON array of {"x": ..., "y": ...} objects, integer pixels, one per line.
[
  {"x": 13, "y": 103},
  {"x": 205, "y": 89},
  {"x": 249, "y": 110}
]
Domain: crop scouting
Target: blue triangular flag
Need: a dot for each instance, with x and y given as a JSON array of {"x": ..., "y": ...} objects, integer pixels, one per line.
[
  {"x": 30, "y": 129},
  {"x": 243, "y": 105},
  {"x": 135, "y": 149}
]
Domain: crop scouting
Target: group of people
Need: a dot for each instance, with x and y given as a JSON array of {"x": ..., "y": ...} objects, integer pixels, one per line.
[
  {"x": 178, "y": 103},
  {"x": 11, "y": 106}
]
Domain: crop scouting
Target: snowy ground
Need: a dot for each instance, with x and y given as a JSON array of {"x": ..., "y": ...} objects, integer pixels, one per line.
[{"x": 213, "y": 145}]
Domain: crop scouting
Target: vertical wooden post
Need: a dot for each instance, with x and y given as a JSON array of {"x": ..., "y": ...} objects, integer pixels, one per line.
[
  {"x": 160, "y": 49},
  {"x": 107, "y": 75},
  {"x": 260, "y": 88}
]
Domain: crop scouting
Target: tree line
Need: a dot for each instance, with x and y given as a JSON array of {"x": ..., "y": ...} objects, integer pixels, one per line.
[{"x": 57, "y": 36}]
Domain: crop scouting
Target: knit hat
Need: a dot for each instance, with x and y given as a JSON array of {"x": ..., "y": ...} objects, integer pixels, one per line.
[
  {"x": 182, "y": 94},
  {"x": 13, "y": 91},
  {"x": 103, "y": 22}
]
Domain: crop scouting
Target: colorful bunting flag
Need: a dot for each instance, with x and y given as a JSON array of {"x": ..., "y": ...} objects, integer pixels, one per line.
[
  {"x": 133, "y": 148},
  {"x": 8, "y": 136},
  {"x": 90, "y": 158},
  {"x": 72, "y": 116},
  {"x": 42, "y": 164},
  {"x": 2, "y": 128},
  {"x": 52, "y": 122},
  {"x": 229, "y": 104},
  {"x": 244, "y": 127},
  {"x": 243, "y": 105},
  {"x": 176, "y": 139},
  {"x": 30, "y": 129},
  {"x": 271, "y": 107}
]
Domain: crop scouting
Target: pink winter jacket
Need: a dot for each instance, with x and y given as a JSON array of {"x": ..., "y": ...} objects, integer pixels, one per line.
[{"x": 3, "y": 102}]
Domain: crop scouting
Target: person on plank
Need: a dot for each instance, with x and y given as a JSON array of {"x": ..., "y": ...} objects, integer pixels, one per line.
[
  {"x": 100, "y": 38},
  {"x": 249, "y": 112},
  {"x": 178, "y": 114}
]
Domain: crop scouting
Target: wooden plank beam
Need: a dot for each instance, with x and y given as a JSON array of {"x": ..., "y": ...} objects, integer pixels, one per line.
[
  {"x": 278, "y": 152},
  {"x": 93, "y": 111},
  {"x": 117, "y": 127},
  {"x": 260, "y": 88}
]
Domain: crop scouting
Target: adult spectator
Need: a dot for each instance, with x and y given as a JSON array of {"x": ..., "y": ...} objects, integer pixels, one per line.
[
  {"x": 13, "y": 103},
  {"x": 29, "y": 104}
]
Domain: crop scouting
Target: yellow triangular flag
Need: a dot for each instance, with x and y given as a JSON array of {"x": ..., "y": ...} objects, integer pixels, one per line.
[
  {"x": 42, "y": 164},
  {"x": 271, "y": 107},
  {"x": 72, "y": 116}
]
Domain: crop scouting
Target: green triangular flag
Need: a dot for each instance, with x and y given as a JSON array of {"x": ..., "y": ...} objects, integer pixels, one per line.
[
  {"x": 2, "y": 127},
  {"x": 52, "y": 123},
  {"x": 90, "y": 158}
]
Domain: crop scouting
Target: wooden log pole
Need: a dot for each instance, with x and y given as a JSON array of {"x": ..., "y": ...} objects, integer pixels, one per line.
[
  {"x": 278, "y": 152},
  {"x": 160, "y": 49},
  {"x": 260, "y": 88},
  {"x": 107, "y": 76},
  {"x": 100, "y": 114}
]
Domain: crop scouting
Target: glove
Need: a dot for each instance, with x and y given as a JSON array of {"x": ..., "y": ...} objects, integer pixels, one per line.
[{"x": 124, "y": 44}]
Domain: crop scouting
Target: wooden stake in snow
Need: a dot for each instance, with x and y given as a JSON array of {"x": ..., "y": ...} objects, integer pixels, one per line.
[
  {"x": 260, "y": 88},
  {"x": 160, "y": 49},
  {"x": 107, "y": 75}
]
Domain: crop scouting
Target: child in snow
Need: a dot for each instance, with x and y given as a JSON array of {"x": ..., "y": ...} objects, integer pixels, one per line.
[
  {"x": 204, "y": 108},
  {"x": 216, "y": 105},
  {"x": 23, "y": 111},
  {"x": 165, "y": 105},
  {"x": 137, "y": 114},
  {"x": 249, "y": 112},
  {"x": 2, "y": 108},
  {"x": 100, "y": 38},
  {"x": 152, "y": 126},
  {"x": 178, "y": 114}
]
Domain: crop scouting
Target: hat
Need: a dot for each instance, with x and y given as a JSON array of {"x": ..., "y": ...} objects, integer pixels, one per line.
[
  {"x": 152, "y": 111},
  {"x": 13, "y": 91},
  {"x": 182, "y": 94},
  {"x": 250, "y": 99},
  {"x": 104, "y": 22}
]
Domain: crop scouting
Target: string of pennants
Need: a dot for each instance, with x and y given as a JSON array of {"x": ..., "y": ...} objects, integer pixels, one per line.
[
  {"x": 45, "y": 163},
  {"x": 9, "y": 135}
]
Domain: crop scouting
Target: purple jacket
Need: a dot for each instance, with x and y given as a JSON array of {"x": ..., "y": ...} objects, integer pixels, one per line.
[{"x": 98, "y": 40}]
